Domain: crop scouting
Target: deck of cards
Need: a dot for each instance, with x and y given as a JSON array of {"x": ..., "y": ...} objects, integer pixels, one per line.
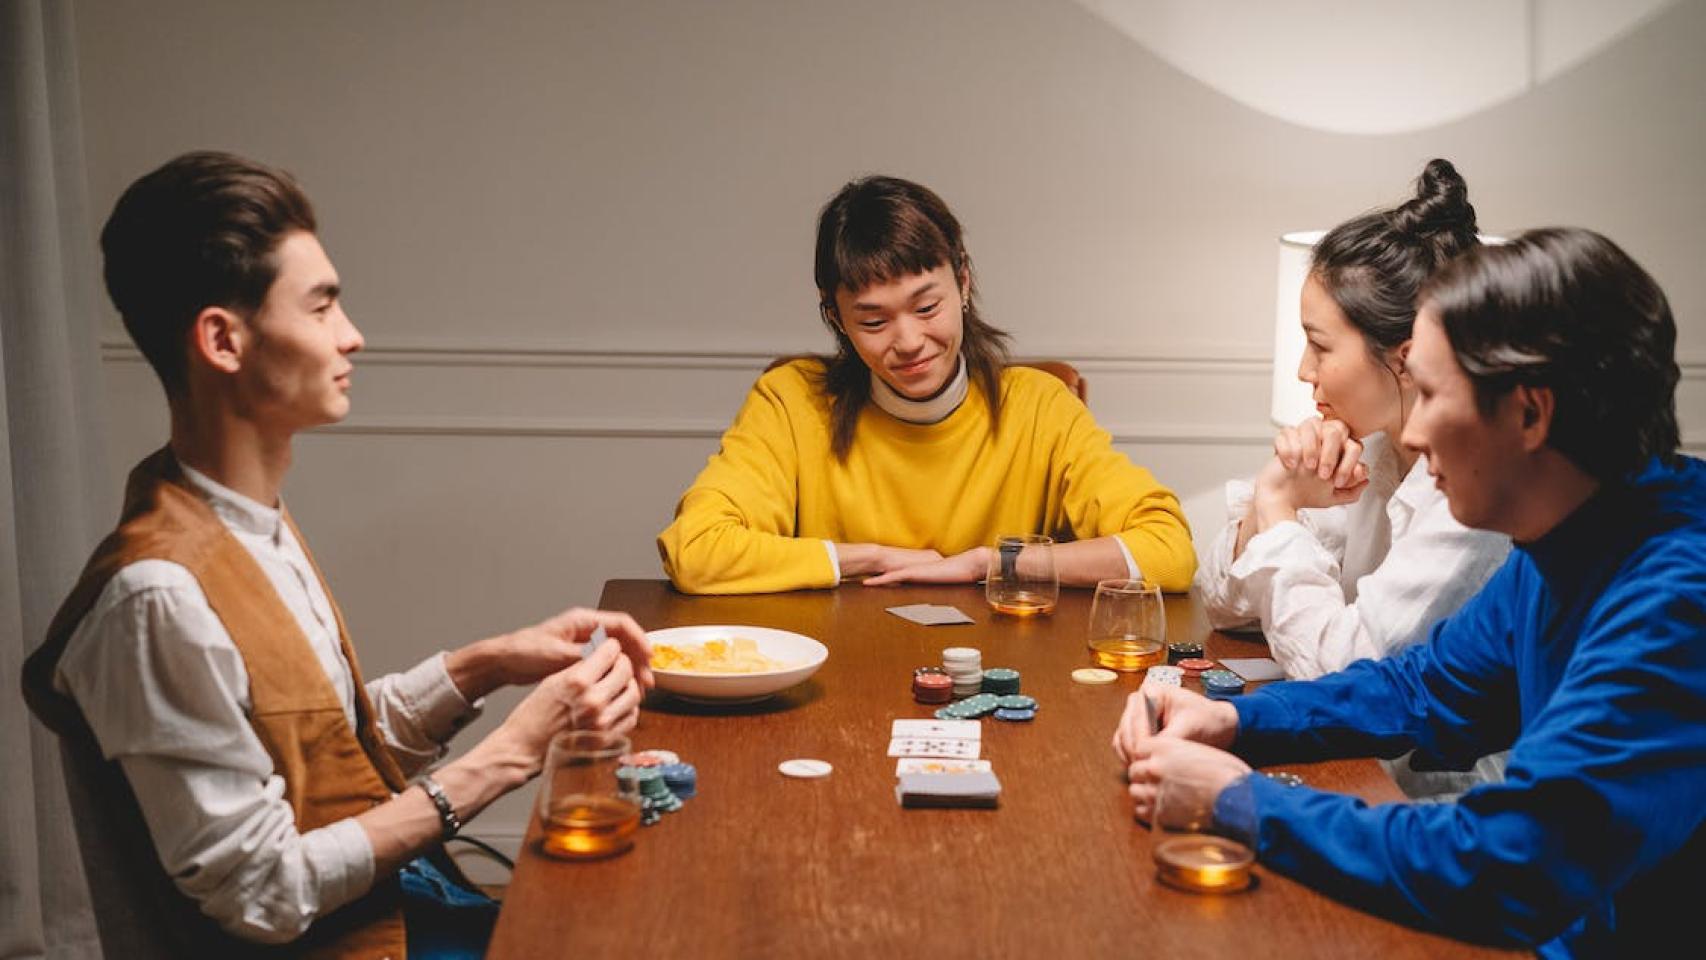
[{"x": 938, "y": 764}]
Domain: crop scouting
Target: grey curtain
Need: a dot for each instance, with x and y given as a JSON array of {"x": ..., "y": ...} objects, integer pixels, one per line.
[{"x": 54, "y": 504}]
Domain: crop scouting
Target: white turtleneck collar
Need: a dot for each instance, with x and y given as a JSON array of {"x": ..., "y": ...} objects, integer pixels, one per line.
[{"x": 932, "y": 410}]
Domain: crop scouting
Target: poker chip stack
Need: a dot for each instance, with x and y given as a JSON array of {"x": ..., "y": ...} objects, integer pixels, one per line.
[
  {"x": 975, "y": 707},
  {"x": 964, "y": 666},
  {"x": 1221, "y": 684},
  {"x": 1180, "y": 650},
  {"x": 1016, "y": 708},
  {"x": 661, "y": 780},
  {"x": 1164, "y": 676},
  {"x": 681, "y": 778},
  {"x": 1001, "y": 681},
  {"x": 1195, "y": 666},
  {"x": 932, "y": 685}
]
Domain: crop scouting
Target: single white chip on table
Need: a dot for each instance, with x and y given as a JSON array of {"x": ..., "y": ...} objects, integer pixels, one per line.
[
  {"x": 1094, "y": 675},
  {"x": 805, "y": 769}
]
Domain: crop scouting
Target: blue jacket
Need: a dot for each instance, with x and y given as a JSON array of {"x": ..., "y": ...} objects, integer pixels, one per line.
[{"x": 1586, "y": 656}]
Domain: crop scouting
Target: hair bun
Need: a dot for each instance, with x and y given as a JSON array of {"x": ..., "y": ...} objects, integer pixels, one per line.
[{"x": 1441, "y": 205}]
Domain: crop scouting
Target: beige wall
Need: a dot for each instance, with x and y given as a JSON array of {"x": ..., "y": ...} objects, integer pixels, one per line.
[{"x": 573, "y": 231}]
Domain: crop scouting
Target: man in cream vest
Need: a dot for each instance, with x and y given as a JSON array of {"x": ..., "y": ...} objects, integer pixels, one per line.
[{"x": 201, "y": 662}]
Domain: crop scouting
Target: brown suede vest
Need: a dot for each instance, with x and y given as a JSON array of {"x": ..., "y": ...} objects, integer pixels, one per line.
[{"x": 330, "y": 771}]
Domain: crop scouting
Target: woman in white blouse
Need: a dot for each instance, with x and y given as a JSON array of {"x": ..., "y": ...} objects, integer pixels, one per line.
[{"x": 1342, "y": 548}]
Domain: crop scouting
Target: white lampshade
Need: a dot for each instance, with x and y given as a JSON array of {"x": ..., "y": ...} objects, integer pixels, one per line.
[{"x": 1292, "y": 398}]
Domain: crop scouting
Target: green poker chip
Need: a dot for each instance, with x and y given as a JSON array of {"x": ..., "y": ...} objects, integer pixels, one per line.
[{"x": 1016, "y": 701}]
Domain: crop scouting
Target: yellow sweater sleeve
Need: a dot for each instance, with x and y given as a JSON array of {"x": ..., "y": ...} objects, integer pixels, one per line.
[
  {"x": 734, "y": 528},
  {"x": 1105, "y": 494}
]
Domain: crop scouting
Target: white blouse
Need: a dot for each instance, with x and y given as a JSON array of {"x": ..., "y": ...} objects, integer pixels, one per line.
[
  {"x": 167, "y": 695},
  {"x": 1352, "y": 582}
]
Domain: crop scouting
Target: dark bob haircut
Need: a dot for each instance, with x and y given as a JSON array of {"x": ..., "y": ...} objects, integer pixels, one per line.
[{"x": 877, "y": 230}]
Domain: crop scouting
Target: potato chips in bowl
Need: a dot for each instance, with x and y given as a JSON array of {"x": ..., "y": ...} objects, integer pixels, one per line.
[{"x": 732, "y": 664}]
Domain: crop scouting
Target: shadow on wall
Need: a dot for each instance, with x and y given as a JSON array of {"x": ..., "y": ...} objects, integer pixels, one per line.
[{"x": 1331, "y": 66}]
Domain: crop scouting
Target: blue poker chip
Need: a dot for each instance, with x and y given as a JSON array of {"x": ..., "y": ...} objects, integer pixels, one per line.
[
  {"x": 1222, "y": 681},
  {"x": 682, "y": 778},
  {"x": 1014, "y": 715}
]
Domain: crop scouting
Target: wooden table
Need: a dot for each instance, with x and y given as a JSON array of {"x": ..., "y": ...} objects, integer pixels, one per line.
[{"x": 759, "y": 865}]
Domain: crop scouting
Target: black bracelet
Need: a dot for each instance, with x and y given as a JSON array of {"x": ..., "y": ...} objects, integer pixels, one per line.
[{"x": 451, "y": 824}]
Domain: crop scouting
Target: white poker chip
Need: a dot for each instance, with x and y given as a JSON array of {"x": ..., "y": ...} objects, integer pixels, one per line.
[
  {"x": 961, "y": 654},
  {"x": 1094, "y": 675},
  {"x": 1166, "y": 674},
  {"x": 805, "y": 769}
]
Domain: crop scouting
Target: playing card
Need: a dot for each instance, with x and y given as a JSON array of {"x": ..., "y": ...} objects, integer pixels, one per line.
[
  {"x": 592, "y": 642},
  {"x": 951, "y": 729},
  {"x": 930, "y": 614},
  {"x": 906, "y": 765},
  {"x": 948, "y": 790},
  {"x": 1254, "y": 669},
  {"x": 942, "y": 614},
  {"x": 949, "y": 747}
]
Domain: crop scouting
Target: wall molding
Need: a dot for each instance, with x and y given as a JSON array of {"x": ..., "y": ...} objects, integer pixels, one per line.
[
  {"x": 673, "y": 428},
  {"x": 489, "y": 353},
  {"x": 1202, "y": 358},
  {"x": 477, "y": 354}
]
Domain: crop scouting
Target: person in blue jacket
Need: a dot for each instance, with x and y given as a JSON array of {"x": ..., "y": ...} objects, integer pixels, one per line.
[{"x": 1547, "y": 378}]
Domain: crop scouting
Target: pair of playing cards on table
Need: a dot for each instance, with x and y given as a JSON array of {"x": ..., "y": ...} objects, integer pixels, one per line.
[{"x": 938, "y": 764}]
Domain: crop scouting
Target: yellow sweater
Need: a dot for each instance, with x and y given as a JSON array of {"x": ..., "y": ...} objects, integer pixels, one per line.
[{"x": 756, "y": 518}]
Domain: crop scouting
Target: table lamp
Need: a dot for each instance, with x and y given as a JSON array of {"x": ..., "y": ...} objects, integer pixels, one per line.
[{"x": 1292, "y": 399}]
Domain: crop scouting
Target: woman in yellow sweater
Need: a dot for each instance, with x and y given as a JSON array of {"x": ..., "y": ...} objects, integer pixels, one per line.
[{"x": 902, "y": 457}]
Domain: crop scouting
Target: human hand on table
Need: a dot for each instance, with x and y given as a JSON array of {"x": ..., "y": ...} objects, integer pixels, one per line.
[
  {"x": 1180, "y": 714},
  {"x": 967, "y": 567},
  {"x": 867, "y": 559},
  {"x": 1315, "y": 464}
]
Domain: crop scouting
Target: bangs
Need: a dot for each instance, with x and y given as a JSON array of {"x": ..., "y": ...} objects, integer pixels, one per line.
[{"x": 882, "y": 242}]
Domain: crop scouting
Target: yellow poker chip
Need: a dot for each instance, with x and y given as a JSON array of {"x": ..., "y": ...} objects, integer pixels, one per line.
[{"x": 1094, "y": 675}]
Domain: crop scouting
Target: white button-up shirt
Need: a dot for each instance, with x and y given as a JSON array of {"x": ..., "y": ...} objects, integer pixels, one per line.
[
  {"x": 166, "y": 694},
  {"x": 1353, "y": 582}
]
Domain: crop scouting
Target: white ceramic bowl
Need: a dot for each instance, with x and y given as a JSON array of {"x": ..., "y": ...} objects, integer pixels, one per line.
[{"x": 802, "y": 654}]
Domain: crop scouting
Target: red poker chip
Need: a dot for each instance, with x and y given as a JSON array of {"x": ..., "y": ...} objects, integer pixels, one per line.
[
  {"x": 1195, "y": 665},
  {"x": 933, "y": 680}
]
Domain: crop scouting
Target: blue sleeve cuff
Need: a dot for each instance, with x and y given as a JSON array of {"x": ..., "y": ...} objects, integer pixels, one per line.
[{"x": 1235, "y": 811}]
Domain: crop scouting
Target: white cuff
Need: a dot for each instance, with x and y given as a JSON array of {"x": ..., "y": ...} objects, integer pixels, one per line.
[
  {"x": 441, "y": 708},
  {"x": 342, "y": 860},
  {"x": 834, "y": 561},
  {"x": 1132, "y": 573}
]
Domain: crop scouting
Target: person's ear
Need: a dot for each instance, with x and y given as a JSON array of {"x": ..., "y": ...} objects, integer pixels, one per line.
[
  {"x": 218, "y": 338},
  {"x": 1535, "y": 406},
  {"x": 1398, "y": 357}
]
